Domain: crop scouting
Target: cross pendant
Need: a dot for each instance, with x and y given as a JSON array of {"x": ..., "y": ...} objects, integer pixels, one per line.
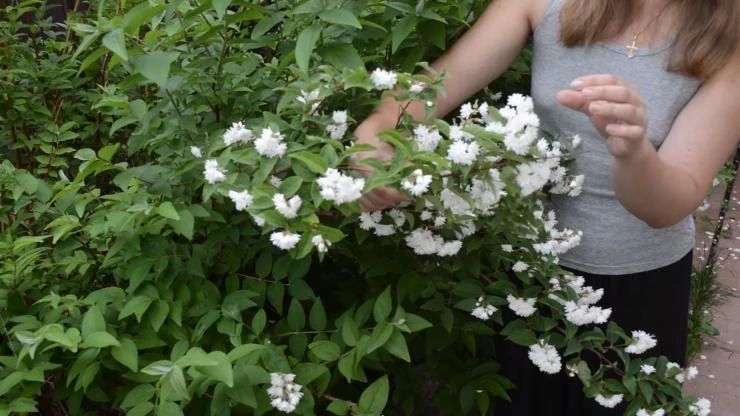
[{"x": 632, "y": 49}]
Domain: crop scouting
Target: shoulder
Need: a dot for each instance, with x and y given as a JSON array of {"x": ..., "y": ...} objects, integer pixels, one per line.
[
  {"x": 532, "y": 10},
  {"x": 537, "y": 9}
]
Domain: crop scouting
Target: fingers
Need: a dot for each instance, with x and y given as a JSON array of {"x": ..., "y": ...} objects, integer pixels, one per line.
[
  {"x": 596, "y": 80},
  {"x": 626, "y": 113},
  {"x": 379, "y": 199},
  {"x": 616, "y": 93}
]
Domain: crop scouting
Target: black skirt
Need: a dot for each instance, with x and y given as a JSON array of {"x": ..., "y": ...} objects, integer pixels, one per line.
[{"x": 655, "y": 301}]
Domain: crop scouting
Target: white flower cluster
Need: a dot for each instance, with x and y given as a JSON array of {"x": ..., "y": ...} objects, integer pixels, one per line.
[
  {"x": 641, "y": 342},
  {"x": 521, "y": 306},
  {"x": 689, "y": 373},
  {"x": 321, "y": 244},
  {"x": 522, "y": 124},
  {"x": 647, "y": 369},
  {"x": 560, "y": 241},
  {"x": 373, "y": 221},
  {"x": 339, "y": 127},
  {"x": 196, "y": 152},
  {"x": 609, "y": 401},
  {"x": 213, "y": 173},
  {"x": 487, "y": 192},
  {"x": 238, "y": 133},
  {"x": 287, "y": 208},
  {"x": 463, "y": 152},
  {"x": 417, "y": 183},
  {"x": 483, "y": 310},
  {"x": 242, "y": 200},
  {"x": 701, "y": 407},
  {"x": 580, "y": 312},
  {"x": 569, "y": 184},
  {"x": 383, "y": 80},
  {"x": 533, "y": 176},
  {"x": 426, "y": 138},
  {"x": 545, "y": 357},
  {"x": 285, "y": 240},
  {"x": 311, "y": 98},
  {"x": 425, "y": 242},
  {"x": 270, "y": 143},
  {"x": 284, "y": 392},
  {"x": 645, "y": 412},
  {"x": 340, "y": 188}
]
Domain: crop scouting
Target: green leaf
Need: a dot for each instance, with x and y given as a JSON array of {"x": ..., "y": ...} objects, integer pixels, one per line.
[
  {"x": 236, "y": 302},
  {"x": 136, "y": 306},
  {"x": 315, "y": 163},
  {"x": 93, "y": 321},
  {"x": 99, "y": 340},
  {"x": 340, "y": 17},
  {"x": 380, "y": 335},
  {"x": 185, "y": 225},
  {"x": 169, "y": 408},
  {"x": 350, "y": 331},
  {"x": 341, "y": 55},
  {"x": 259, "y": 320},
  {"x": 167, "y": 210},
  {"x": 305, "y": 45},
  {"x": 158, "y": 314},
  {"x": 308, "y": 372},
  {"x": 325, "y": 350},
  {"x": 220, "y": 7},
  {"x": 9, "y": 381},
  {"x": 338, "y": 407},
  {"x": 396, "y": 345},
  {"x": 196, "y": 357},
  {"x": 375, "y": 397},
  {"x": 115, "y": 41},
  {"x": 383, "y": 306},
  {"x": 317, "y": 316},
  {"x": 416, "y": 323},
  {"x": 155, "y": 66},
  {"x": 296, "y": 315},
  {"x": 158, "y": 368},
  {"x": 126, "y": 354},
  {"x": 141, "y": 409},
  {"x": 140, "y": 393},
  {"x": 243, "y": 351},
  {"x": 402, "y": 30},
  {"x": 176, "y": 378}
]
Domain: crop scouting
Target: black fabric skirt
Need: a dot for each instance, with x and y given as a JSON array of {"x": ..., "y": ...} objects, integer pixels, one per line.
[{"x": 655, "y": 301}]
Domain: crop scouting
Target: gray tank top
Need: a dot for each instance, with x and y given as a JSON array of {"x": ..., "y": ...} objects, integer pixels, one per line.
[{"x": 614, "y": 241}]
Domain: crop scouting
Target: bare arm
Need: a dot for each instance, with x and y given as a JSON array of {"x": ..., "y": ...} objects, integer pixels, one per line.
[
  {"x": 476, "y": 59},
  {"x": 664, "y": 187}
]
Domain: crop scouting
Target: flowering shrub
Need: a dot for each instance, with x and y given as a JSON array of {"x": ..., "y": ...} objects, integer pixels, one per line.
[{"x": 202, "y": 251}]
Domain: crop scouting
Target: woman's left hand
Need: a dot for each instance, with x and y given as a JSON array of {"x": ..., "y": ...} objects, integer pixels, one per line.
[{"x": 614, "y": 107}]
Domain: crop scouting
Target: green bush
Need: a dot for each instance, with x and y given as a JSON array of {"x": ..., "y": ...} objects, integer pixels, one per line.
[{"x": 159, "y": 154}]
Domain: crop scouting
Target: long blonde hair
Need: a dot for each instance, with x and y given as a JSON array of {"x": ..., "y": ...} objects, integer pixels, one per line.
[{"x": 708, "y": 38}]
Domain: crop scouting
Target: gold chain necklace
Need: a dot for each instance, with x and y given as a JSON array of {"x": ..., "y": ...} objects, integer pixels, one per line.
[{"x": 633, "y": 48}]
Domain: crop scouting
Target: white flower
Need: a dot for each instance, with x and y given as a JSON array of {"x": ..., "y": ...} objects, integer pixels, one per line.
[
  {"x": 427, "y": 138},
  {"x": 241, "y": 200},
  {"x": 384, "y": 80},
  {"x": 339, "y": 128},
  {"x": 417, "y": 87},
  {"x": 576, "y": 142},
  {"x": 259, "y": 220},
  {"x": 285, "y": 240},
  {"x": 337, "y": 187},
  {"x": 466, "y": 111},
  {"x": 641, "y": 342},
  {"x": 274, "y": 181},
  {"x": 701, "y": 407},
  {"x": 483, "y": 111},
  {"x": 507, "y": 248},
  {"x": 284, "y": 392},
  {"x": 212, "y": 172},
  {"x": 322, "y": 245},
  {"x": 645, "y": 412},
  {"x": 647, "y": 369},
  {"x": 520, "y": 266},
  {"x": 449, "y": 248},
  {"x": 483, "y": 310},
  {"x": 545, "y": 357},
  {"x": 584, "y": 314},
  {"x": 457, "y": 133},
  {"x": 308, "y": 97},
  {"x": 237, "y": 133},
  {"x": 289, "y": 209},
  {"x": 520, "y": 306},
  {"x": 462, "y": 152},
  {"x": 691, "y": 373},
  {"x": 531, "y": 177},
  {"x": 195, "y": 151},
  {"x": 610, "y": 402},
  {"x": 339, "y": 117},
  {"x": 270, "y": 143},
  {"x": 417, "y": 184}
]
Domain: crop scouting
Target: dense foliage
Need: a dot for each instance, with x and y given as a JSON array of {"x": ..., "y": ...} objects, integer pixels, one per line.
[{"x": 180, "y": 232}]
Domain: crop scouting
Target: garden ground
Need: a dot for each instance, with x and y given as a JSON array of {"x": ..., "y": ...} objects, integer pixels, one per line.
[{"x": 719, "y": 360}]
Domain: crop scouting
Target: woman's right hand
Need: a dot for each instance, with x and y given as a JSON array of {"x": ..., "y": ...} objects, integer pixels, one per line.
[{"x": 378, "y": 198}]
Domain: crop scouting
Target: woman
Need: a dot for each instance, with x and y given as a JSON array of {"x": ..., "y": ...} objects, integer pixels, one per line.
[{"x": 653, "y": 89}]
